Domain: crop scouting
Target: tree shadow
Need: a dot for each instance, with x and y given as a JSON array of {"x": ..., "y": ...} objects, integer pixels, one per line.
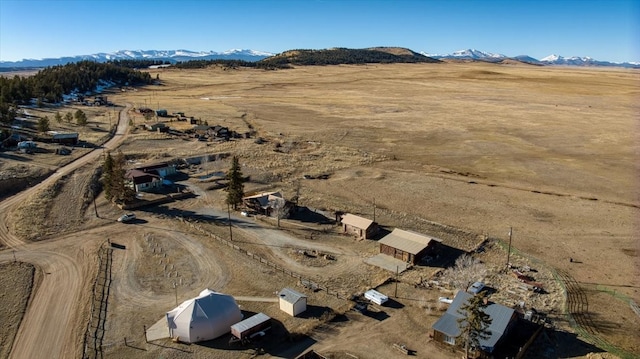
[
  {"x": 315, "y": 311},
  {"x": 444, "y": 256},
  {"x": 305, "y": 215},
  {"x": 276, "y": 340},
  {"x": 382, "y": 232},
  {"x": 394, "y": 304},
  {"x": 377, "y": 315},
  {"x": 552, "y": 343}
]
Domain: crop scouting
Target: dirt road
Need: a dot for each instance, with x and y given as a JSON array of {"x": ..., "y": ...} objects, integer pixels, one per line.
[{"x": 48, "y": 328}]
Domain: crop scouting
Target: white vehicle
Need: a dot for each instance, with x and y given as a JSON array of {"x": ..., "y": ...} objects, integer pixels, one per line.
[
  {"x": 127, "y": 217},
  {"x": 475, "y": 288},
  {"x": 376, "y": 297}
]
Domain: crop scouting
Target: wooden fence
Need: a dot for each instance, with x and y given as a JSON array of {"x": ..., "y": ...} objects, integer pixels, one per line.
[{"x": 306, "y": 282}]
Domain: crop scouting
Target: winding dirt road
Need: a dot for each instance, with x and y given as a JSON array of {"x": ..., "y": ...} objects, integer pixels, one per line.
[{"x": 47, "y": 329}]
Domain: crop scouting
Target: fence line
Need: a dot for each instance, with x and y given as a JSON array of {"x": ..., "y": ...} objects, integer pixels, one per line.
[
  {"x": 305, "y": 282},
  {"x": 94, "y": 334},
  {"x": 580, "y": 330}
]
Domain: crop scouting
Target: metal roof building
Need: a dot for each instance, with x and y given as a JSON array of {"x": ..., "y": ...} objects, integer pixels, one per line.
[
  {"x": 447, "y": 329},
  {"x": 407, "y": 246},
  {"x": 363, "y": 228}
]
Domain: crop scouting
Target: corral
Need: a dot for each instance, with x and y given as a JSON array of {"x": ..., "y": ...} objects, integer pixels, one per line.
[{"x": 457, "y": 151}]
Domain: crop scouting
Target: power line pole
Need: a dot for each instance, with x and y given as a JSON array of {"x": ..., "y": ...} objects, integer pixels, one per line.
[
  {"x": 509, "y": 250},
  {"x": 229, "y": 214},
  {"x": 176, "y": 288},
  {"x": 396, "y": 293}
]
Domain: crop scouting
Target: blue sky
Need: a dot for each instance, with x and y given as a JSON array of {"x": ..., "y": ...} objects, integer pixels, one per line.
[{"x": 602, "y": 29}]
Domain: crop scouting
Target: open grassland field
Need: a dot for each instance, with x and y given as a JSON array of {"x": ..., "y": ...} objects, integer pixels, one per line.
[{"x": 454, "y": 150}]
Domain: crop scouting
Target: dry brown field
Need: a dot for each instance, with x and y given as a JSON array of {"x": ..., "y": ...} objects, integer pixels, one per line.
[{"x": 550, "y": 151}]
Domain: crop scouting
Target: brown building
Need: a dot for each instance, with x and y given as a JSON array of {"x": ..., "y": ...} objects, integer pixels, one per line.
[
  {"x": 408, "y": 246},
  {"x": 362, "y": 228}
]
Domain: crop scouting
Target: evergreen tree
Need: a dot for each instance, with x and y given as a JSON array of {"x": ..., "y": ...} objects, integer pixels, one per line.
[
  {"x": 121, "y": 192},
  {"x": 68, "y": 117},
  {"x": 235, "y": 187},
  {"x": 58, "y": 117},
  {"x": 81, "y": 118},
  {"x": 475, "y": 322},
  {"x": 43, "y": 124},
  {"x": 115, "y": 186}
]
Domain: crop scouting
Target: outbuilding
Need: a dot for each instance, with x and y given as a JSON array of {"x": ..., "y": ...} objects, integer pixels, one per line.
[
  {"x": 251, "y": 326},
  {"x": 360, "y": 227},
  {"x": 408, "y": 246},
  {"x": 205, "y": 317},
  {"x": 292, "y": 302},
  {"x": 158, "y": 127}
]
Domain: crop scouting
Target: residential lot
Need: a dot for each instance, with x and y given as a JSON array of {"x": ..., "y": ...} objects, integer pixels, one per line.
[{"x": 461, "y": 152}]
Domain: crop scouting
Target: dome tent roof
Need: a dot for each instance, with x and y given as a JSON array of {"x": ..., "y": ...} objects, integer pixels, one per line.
[{"x": 205, "y": 317}]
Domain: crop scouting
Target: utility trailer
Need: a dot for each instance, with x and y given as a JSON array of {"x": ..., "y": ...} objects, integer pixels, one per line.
[
  {"x": 251, "y": 327},
  {"x": 376, "y": 297}
]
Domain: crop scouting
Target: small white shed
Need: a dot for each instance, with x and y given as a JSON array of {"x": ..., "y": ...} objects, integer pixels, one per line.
[{"x": 292, "y": 302}]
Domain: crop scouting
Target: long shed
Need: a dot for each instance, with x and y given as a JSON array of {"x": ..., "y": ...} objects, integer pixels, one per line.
[
  {"x": 254, "y": 324},
  {"x": 408, "y": 246}
]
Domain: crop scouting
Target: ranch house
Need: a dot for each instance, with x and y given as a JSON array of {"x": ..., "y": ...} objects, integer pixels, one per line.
[
  {"x": 142, "y": 181},
  {"x": 503, "y": 320}
]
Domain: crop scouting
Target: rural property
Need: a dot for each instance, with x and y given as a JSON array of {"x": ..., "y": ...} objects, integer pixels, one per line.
[{"x": 411, "y": 180}]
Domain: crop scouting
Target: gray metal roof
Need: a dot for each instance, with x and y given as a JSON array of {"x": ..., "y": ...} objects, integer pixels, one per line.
[
  {"x": 407, "y": 241},
  {"x": 499, "y": 314},
  {"x": 356, "y": 221},
  {"x": 250, "y": 322},
  {"x": 291, "y": 295}
]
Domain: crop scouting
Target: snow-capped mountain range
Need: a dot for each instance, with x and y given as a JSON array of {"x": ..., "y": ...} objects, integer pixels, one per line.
[
  {"x": 252, "y": 55},
  {"x": 164, "y": 55},
  {"x": 477, "y": 55}
]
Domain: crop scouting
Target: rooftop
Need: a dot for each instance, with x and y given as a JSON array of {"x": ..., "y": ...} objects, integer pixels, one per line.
[{"x": 408, "y": 241}]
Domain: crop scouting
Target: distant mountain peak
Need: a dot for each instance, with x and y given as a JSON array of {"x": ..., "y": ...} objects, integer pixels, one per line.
[
  {"x": 164, "y": 55},
  {"x": 477, "y": 55}
]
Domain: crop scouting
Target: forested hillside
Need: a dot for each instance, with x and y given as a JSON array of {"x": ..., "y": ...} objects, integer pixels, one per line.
[
  {"x": 338, "y": 56},
  {"x": 50, "y": 84}
]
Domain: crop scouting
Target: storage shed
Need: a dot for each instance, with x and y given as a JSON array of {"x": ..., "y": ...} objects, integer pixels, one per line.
[
  {"x": 292, "y": 302},
  {"x": 362, "y": 228},
  {"x": 250, "y": 326},
  {"x": 408, "y": 246}
]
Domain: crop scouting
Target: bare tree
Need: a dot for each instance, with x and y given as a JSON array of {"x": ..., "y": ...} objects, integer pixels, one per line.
[
  {"x": 466, "y": 270},
  {"x": 279, "y": 210}
]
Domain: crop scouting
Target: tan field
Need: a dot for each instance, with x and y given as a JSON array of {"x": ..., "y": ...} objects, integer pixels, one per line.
[{"x": 458, "y": 150}]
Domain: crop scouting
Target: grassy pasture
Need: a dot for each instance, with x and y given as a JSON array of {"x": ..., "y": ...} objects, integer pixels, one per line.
[{"x": 551, "y": 151}]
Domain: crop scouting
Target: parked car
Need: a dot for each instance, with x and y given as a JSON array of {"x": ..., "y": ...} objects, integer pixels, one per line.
[
  {"x": 127, "y": 217},
  {"x": 475, "y": 288}
]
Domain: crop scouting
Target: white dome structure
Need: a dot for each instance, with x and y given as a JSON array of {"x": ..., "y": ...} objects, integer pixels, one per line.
[{"x": 205, "y": 317}]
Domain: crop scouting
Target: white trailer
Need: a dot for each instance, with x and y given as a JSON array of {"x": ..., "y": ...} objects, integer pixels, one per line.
[{"x": 376, "y": 297}]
